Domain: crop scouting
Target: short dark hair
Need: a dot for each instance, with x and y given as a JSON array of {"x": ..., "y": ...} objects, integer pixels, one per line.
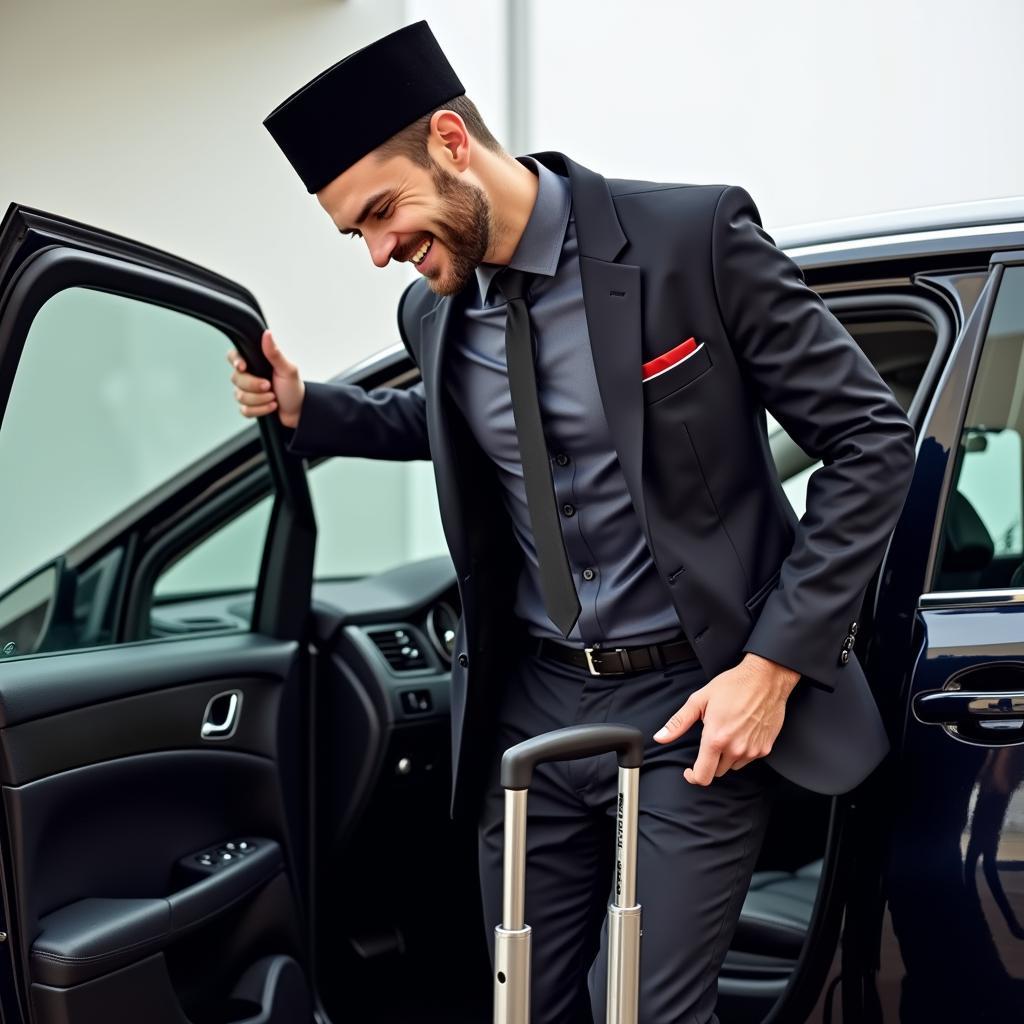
[{"x": 411, "y": 141}]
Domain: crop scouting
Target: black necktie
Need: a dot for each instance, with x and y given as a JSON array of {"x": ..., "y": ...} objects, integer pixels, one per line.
[{"x": 560, "y": 598}]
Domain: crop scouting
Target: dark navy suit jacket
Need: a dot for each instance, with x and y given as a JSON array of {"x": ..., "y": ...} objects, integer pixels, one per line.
[{"x": 661, "y": 263}]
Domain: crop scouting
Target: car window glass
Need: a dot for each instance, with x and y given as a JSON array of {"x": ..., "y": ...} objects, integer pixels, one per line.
[
  {"x": 228, "y": 561},
  {"x": 981, "y": 544},
  {"x": 112, "y": 397},
  {"x": 372, "y": 515}
]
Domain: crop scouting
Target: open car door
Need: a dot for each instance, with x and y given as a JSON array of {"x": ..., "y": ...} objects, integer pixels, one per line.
[
  {"x": 950, "y": 657},
  {"x": 154, "y": 773}
]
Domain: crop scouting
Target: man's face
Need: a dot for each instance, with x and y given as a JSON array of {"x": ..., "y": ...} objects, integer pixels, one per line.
[{"x": 427, "y": 216}]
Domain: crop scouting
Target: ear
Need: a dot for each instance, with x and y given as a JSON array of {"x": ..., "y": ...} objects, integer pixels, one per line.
[{"x": 449, "y": 140}]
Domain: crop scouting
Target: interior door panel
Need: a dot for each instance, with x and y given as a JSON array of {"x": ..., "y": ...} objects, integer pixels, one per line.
[{"x": 110, "y": 806}]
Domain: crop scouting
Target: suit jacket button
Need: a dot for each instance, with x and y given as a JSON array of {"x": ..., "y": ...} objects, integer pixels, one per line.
[
  {"x": 844, "y": 656},
  {"x": 463, "y": 660},
  {"x": 848, "y": 642},
  {"x": 853, "y": 628}
]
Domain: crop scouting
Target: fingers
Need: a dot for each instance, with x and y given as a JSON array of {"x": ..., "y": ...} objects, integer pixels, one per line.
[
  {"x": 254, "y": 395},
  {"x": 705, "y": 767},
  {"x": 235, "y": 359},
  {"x": 683, "y": 719},
  {"x": 246, "y": 381},
  {"x": 252, "y": 411},
  {"x": 275, "y": 356},
  {"x": 727, "y": 764}
]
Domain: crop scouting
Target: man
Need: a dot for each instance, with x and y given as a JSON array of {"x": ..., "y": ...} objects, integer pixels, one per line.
[{"x": 596, "y": 357}]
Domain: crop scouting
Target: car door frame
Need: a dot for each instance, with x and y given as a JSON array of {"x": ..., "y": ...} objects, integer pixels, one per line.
[{"x": 53, "y": 252}]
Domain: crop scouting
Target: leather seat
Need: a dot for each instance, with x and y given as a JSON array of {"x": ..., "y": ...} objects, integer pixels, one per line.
[{"x": 777, "y": 912}]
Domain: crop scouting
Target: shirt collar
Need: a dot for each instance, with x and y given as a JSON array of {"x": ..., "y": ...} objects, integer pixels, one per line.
[{"x": 540, "y": 245}]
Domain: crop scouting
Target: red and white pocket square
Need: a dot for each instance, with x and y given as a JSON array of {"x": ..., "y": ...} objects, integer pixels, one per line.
[{"x": 659, "y": 364}]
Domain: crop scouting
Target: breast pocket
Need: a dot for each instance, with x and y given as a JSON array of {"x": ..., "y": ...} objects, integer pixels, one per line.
[{"x": 677, "y": 376}]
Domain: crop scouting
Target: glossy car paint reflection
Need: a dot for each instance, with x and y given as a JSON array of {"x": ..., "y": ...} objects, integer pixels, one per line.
[{"x": 946, "y": 930}]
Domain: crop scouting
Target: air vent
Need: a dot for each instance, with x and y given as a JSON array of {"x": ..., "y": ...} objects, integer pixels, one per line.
[{"x": 404, "y": 653}]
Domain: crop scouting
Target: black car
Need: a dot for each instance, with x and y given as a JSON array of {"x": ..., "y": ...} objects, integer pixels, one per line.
[{"x": 224, "y": 671}]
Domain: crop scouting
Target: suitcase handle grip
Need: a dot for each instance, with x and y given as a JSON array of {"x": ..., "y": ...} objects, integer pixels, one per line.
[{"x": 570, "y": 744}]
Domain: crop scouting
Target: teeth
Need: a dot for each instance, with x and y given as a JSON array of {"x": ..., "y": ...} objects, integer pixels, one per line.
[{"x": 417, "y": 257}]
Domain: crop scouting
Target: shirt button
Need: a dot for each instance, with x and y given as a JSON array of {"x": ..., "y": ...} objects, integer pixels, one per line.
[
  {"x": 589, "y": 574},
  {"x": 569, "y": 510},
  {"x": 562, "y": 460}
]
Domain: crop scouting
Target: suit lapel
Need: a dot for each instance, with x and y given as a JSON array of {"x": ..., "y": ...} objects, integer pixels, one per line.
[
  {"x": 434, "y": 335},
  {"x": 434, "y": 330},
  {"x": 611, "y": 299}
]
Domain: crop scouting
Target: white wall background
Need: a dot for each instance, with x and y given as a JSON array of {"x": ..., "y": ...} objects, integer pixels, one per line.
[
  {"x": 145, "y": 117},
  {"x": 820, "y": 109}
]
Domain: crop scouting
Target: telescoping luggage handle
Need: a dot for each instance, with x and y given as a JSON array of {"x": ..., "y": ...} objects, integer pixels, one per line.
[{"x": 512, "y": 936}]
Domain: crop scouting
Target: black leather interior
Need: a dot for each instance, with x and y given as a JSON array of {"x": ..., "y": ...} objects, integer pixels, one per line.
[
  {"x": 777, "y": 912},
  {"x": 92, "y": 936},
  {"x": 49, "y": 686}
]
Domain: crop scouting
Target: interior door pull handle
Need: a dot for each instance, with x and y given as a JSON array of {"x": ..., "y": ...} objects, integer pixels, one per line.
[{"x": 221, "y": 718}]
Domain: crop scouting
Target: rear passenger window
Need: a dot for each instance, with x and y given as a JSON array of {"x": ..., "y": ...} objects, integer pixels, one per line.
[{"x": 982, "y": 544}]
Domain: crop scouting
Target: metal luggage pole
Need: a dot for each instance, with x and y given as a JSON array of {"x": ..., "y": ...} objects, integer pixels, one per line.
[
  {"x": 512, "y": 937},
  {"x": 623, "y": 994}
]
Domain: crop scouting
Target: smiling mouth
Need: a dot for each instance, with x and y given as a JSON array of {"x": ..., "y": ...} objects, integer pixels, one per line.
[{"x": 421, "y": 253}]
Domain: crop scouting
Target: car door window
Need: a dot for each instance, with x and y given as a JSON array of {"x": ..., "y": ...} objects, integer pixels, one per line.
[
  {"x": 982, "y": 545},
  {"x": 372, "y": 515},
  {"x": 112, "y": 397},
  {"x": 228, "y": 561}
]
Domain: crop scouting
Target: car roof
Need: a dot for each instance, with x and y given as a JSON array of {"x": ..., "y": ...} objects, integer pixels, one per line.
[
  {"x": 980, "y": 213},
  {"x": 867, "y": 236}
]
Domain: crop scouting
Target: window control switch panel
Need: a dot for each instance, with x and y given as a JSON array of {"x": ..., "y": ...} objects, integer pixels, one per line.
[{"x": 217, "y": 857}]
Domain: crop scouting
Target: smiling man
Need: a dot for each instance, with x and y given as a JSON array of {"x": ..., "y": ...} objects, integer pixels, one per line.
[{"x": 596, "y": 358}]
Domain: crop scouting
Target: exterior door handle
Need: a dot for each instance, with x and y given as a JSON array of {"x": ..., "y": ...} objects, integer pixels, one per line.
[
  {"x": 973, "y": 714},
  {"x": 222, "y": 714}
]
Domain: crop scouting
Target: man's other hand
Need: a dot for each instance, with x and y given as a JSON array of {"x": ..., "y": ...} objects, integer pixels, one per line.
[
  {"x": 257, "y": 396},
  {"x": 742, "y": 709}
]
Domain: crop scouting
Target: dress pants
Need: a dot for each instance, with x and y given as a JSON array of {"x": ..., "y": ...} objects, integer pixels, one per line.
[{"x": 696, "y": 851}]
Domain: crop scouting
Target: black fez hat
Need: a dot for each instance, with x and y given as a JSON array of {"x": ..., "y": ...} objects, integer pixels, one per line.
[{"x": 351, "y": 108}]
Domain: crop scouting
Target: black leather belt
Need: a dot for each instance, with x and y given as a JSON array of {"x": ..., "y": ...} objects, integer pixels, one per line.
[{"x": 614, "y": 661}]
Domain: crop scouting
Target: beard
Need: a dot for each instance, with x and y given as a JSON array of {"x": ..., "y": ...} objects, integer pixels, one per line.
[{"x": 466, "y": 214}]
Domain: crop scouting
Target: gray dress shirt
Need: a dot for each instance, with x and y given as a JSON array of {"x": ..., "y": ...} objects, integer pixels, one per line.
[{"x": 623, "y": 599}]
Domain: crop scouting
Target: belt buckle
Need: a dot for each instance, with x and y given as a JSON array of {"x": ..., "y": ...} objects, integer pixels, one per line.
[{"x": 594, "y": 671}]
